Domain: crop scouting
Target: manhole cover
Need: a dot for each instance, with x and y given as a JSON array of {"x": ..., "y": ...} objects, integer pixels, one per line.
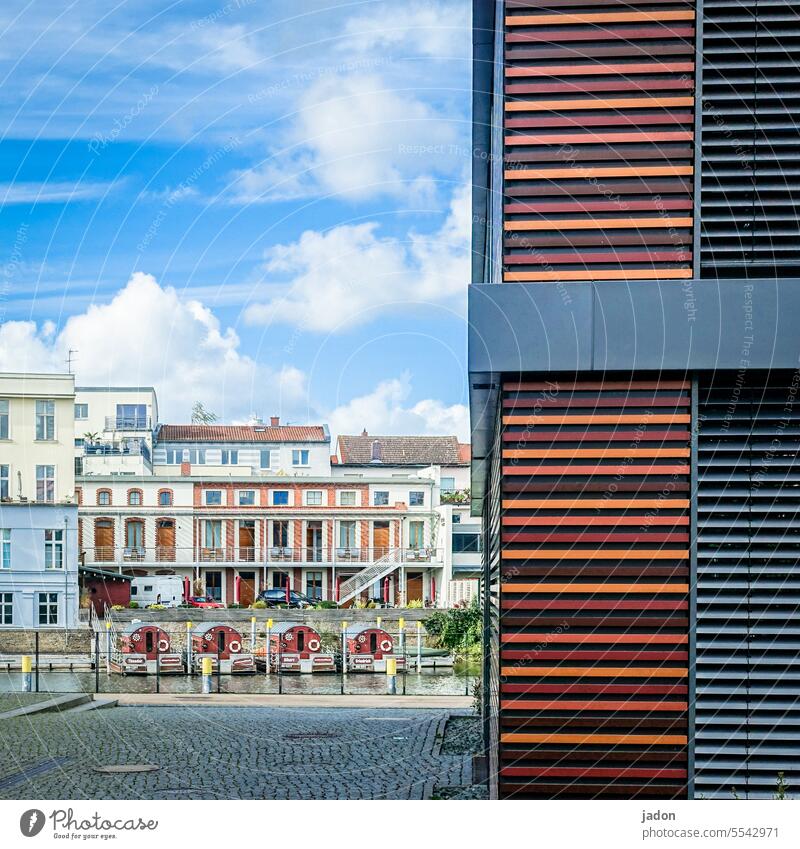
[{"x": 127, "y": 768}]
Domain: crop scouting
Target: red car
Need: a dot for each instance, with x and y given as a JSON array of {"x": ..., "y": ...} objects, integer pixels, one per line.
[{"x": 202, "y": 601}]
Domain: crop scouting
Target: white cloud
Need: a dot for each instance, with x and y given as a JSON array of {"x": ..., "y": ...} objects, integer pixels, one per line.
[
  {"x": 356, "y": 137},
  {"x": 22, "y": 193},
  {"x": 439, "y": 30},
  {"x": 386, "y": 410},
  {"x": 351, "y": 273},
  {"x": 148, "y": 335}
]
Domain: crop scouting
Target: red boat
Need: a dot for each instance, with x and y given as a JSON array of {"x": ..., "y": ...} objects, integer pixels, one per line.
[
  {"x": 369, "y": 648},
  {"x": 142, "y": 647},
  {"x": 221, "y": 643},
  {"x": 296, "y": 647}
]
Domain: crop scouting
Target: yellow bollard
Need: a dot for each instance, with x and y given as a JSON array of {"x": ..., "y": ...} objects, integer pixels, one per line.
[
  {"x": 391, "y": 676},
  {"x": 27, "y": 666},
  {"x": 402, "y": 625},
  {"x": 269, "y": 649},
  {"x": 208, "y": 668}
]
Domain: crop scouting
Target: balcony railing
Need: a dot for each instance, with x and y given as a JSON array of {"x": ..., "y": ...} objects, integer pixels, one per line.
[
  {"x": 128, "y": 423},
  {"x": 124, "y": 448},
  {"x": 276, "y": 556}
]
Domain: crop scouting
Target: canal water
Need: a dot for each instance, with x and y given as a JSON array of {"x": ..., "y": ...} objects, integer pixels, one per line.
[{"x": 429, "y": 682}]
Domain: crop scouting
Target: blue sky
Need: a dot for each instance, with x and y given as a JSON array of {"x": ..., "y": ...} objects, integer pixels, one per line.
[{"x": 260, "y": 205}]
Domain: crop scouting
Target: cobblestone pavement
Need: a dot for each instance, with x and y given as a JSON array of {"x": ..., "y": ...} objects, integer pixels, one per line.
[{"x": 229, "y": 753}]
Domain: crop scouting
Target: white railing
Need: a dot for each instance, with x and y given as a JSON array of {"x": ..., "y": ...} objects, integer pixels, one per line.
[{"x": 380, "y": 568}]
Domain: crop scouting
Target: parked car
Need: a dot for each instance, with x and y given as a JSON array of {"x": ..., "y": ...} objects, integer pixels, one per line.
[
  {"x": 277, "y": 596},
  {"x": 202, "y": 601}
]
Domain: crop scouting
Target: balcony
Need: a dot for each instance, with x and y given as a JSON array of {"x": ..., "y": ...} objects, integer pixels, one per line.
[
  {"x": 128, "y": 423},
  {"x": 123, "y": 448},
  {"x": 274, "y": 556}
]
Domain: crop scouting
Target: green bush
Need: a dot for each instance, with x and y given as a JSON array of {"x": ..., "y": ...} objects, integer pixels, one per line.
[
  {"x": 457, "y": 627},
  {"x": 134, "y": 605},
  {"x": 325, "y": 605},
  {"x": 258, "y": 605},
  {"x": 156, "y": 607},
  {"x": 234, "y": 606},
  {"x": 116, "y": 607}
]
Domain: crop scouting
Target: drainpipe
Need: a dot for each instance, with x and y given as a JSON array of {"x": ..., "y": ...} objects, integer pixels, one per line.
[{"x": 64, "y": 559}]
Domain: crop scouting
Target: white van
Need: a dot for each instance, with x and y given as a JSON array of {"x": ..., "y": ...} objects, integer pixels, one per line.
[{"x": 157, "y": 589}]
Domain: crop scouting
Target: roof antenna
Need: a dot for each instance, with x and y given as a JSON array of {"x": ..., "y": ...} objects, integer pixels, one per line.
[{"x": 70, "y": 359}]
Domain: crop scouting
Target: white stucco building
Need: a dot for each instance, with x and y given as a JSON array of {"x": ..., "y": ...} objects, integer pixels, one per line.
[{"x": 38, "y": 510}]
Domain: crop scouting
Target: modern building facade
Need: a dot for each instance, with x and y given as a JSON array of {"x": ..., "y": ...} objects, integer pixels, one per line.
[
  {"x": 38, "y": 513},
  {"x": 633, "y": 384}
]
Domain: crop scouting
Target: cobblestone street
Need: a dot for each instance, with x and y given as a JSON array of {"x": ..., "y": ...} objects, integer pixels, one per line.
[{"x": 229, "y": 753}]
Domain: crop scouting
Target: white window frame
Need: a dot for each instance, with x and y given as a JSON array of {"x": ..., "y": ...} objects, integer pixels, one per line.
[
  {"x": 85, "y": 407},
  {"x": 46, "y": 418},
  {"x": 416, "y": 492},
  {"x": 315, "y": 493},
  {"x": 272, "y": 494},
  {"x": 348, "y": 492},
  {"x": 5, "y": 418},
  {"x": 135, "y": 493},
  {"x": 270, "y": 452},
  {"x": 50, "y": 600},
  {"x": 297, "y": 457},
  {"x": 44, "y": 479},
  {"x": 207, "y": 526},
  {"x": 212, "y": 492},
  {"x": 6, "y": 608},
  {"x": 5, "y": 548},
  {"x": 375, "y": 495},
  {"x": 242, "y": 492},
  {"x": 5, "y": 478},
  {"x": 341, "y": 542},
  {"x": 54, "y": 550},
  {"x": 229, "y": 456}
]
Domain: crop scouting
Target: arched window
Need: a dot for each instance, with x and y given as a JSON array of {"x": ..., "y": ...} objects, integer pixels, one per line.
[
  {"x": 104, "y": 497},
  {"x": 135, "y": 497},
  {"x": 165, "y": 498}
]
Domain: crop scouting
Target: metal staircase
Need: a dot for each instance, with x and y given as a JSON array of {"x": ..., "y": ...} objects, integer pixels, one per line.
[{"x": 374, "y": 572}]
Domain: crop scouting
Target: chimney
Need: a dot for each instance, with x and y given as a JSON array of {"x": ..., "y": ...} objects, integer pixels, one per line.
[
  {"x": 364, "y": 432},
  {"x": 377, "y": 456},
  {"x": 274, "y": 421},
  {"x": 186, "y": 470}
]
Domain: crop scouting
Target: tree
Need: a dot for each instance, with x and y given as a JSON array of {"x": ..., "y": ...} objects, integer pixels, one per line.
[{"x": 200, "y": 415}]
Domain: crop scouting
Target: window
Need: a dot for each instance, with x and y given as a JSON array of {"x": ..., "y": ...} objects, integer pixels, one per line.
[
  {"x": 456, "y": 518},
  {"x": 4, "y": 478},
  {"x": 213, "y": 535},
  {"x": 3, "y": 418},
  {"x": 213, "y": 497},
  {"x": 135, "y": 497},
  {"x": 280, "y": 534},
  {"x": 81, "y": 411},
  {"x": 5, "y": 548},
  {"x": 300, "y": 457},
  {"x": 280, "y": 497},
  {"x": 134, "y": 535},
  {"x": 347, "y": 534},
  {"x": 165, "y": 498},
  {"x": 314, "y": 585},
  {"x": 104, "y": 497},
  {"x": 54, "y": 549},
  {"x": 416, "y": 498},
  {"x": 380, "y": 498},
  {"x": 6, "y": 608},
  {"x": 314, "y": 498},
  {"x": 447, "y": 484},
  {"x": 176, "y": 456},
  {"x": 347, "y": 498},
  {"x": 266, "y": 455},
  {"x": 46, "y": 483},
  {"x": 466, "y": 543},
  {"x": 230, "y": 456},
  {"x": 46, "y": 420},
  {"x": 48, "y": 608},
  {"x": 416, "y": 534},
  {"x": 247, "y": 498},
  {"x": 131, "y": 416}
]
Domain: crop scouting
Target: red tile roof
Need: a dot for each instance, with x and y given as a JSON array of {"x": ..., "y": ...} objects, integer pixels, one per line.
[
  {"x": 402, "y": 450},
  {"x": 242, "y": 433}
]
